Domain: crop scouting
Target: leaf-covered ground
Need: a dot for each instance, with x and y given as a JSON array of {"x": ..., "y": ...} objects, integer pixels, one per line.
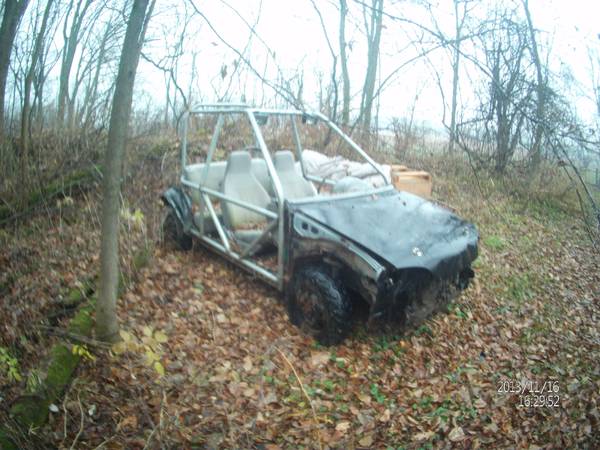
[{"x": 238, "y": 375}]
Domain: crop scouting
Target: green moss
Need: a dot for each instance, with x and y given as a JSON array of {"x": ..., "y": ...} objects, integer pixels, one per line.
[
  {"x": 62, "y": 365},
  {"x": 6, "y": 442},
  {"x": 74, "y": 297},
  {"x": 82, "y": 322},
  {"x": 79, "y": 294},
  {"x": 30, "y": 411}
]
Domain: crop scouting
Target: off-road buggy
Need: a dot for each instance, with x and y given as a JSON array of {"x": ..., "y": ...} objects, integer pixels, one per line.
[{"x": 328, "y": 245}]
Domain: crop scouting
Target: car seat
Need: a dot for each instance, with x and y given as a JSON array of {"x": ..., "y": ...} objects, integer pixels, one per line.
[
  {"x": 239, "y": 183},
  {"x": 294, "y": 185}
]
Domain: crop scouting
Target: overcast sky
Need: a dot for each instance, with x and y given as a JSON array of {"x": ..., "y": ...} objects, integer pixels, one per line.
[{"x": 291, "y": 30}]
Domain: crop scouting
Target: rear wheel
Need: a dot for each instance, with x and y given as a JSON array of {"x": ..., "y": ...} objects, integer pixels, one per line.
[
  {"x": 173, "y": 233},
  {"x": 319, "y": 305}
]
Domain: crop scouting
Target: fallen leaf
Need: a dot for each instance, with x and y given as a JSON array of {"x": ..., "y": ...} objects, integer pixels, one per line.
[
  {"x": 319, "y": 359},
  {"x": 366, "y": 399},
  {"x": 159, "y": 368},
  {"x": 221, "y": 318},
  {"x": 424, "y": 436},
  {"x": 492, "y": 427},
  {"x": 456, "y": 435},
  {"x": 271, "y": 397},
  {"x": 160, "y": 337},
  {"x": 480, "y": 403},
  {"x": 385, "y": 417},
  {"x": 129, "y": 421},
  {"x": 367, "y": 441},
  {"x": 342, "y": 426}
]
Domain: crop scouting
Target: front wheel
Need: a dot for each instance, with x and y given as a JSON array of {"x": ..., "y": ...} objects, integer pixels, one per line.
[
  {"x": 319, "y": 305},
  {"x": 173, "y": 233}
]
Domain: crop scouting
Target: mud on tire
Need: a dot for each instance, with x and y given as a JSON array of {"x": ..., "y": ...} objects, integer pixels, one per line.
[
  {"x": 172, "y": 232},
  {"x": 319, "y": 305}
]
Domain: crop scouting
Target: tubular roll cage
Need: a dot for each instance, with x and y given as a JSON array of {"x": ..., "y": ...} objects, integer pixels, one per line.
[{"x": 276, "y": 279}]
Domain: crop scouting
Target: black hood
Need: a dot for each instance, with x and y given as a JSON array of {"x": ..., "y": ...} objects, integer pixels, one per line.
[{"x": 404, "y": 230}]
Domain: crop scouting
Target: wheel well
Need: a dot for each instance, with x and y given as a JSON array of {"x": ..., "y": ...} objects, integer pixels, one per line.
[{"x": 342, "y": 271}]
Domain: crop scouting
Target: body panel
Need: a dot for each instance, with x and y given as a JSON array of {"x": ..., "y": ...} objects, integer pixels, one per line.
[{"x": 404, "y": 230}]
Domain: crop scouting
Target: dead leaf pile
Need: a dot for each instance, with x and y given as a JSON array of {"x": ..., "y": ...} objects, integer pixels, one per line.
[{"x": 238, "y": 375}]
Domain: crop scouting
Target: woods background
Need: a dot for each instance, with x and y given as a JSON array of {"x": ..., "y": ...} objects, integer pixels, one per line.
[{"x": 501, "y": 106}]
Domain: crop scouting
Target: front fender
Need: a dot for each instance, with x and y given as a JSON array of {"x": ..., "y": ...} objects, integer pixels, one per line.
[
  {"x": 180, "y": 201},
  {"x": 313, "y": 240}
]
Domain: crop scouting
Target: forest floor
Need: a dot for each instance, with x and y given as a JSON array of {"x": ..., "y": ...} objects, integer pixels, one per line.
[{"x": 233, "y": 372}]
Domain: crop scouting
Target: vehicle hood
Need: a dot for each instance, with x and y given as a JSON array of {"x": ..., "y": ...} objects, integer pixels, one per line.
[{"x": 404, "y": 230}]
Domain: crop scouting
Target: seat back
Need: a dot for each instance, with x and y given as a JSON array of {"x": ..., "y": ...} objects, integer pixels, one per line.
[
  {"x": 214, "y": 177},
  {"x": 293, "y": 183},
  {"x": 260, "y": 172},
  {"x": 240, "y": 183}
]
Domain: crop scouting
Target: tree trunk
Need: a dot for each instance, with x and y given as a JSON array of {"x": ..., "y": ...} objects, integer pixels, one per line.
[
  {"x": 13, "y": 11},
  {"x": 26, "y": 109},
  {"x": 374, "y": 38},
  {"x": 92, "y": 89},
  {"x": 344, "y": 64},
  {"x": 71, "y": 41},
  {"x": 107, "y": 327},
  {"x": 536, "y": 147},
  {"x": 455, "y": 73}
]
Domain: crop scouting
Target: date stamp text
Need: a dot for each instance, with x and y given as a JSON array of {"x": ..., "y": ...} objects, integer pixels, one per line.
[{"x": 531, "y": 393}]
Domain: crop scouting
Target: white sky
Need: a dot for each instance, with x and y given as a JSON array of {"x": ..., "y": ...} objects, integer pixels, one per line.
[{"x": 292, "y": 31}]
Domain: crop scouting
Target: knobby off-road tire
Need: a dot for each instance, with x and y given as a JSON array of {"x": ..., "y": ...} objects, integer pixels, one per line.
[
  {"x": 173, "y": 233},
  {"x": 319, "y": 305}
]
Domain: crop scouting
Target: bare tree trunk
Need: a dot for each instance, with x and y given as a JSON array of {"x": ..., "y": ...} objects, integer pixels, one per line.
[
  {"x": 374, "y": 38},
  {"x": 38, "y": 91},
  {"x": 107, "y": 327},
  {"x": 71, "y": 41},
  {"x": 458, "y": 24},
  {"x": 536, "y": 148},
  {"x": 92, "y": 89},
  {"x": 344, "y": 64},
  {"x": 13, "y": 12},
  {"x": 26, "y": 109},
  {"x": 332, "y": 103},
  {"x": 167, "y": 101}
]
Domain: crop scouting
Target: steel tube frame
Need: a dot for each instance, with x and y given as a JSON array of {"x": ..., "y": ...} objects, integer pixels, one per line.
[
  {"x": 235, "y": 257},
  {"x": 278, "y": 190},
  {"x": 353, "y": 144},
  {"x": 358, "y": 194},
  {"x": 186, "y": 117},
  {"x": 215, "y": 220},
  {"x": 205, "y": 193},
  {"x": 257, "y": 240},
  {"x": 221, "y": 196}
]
